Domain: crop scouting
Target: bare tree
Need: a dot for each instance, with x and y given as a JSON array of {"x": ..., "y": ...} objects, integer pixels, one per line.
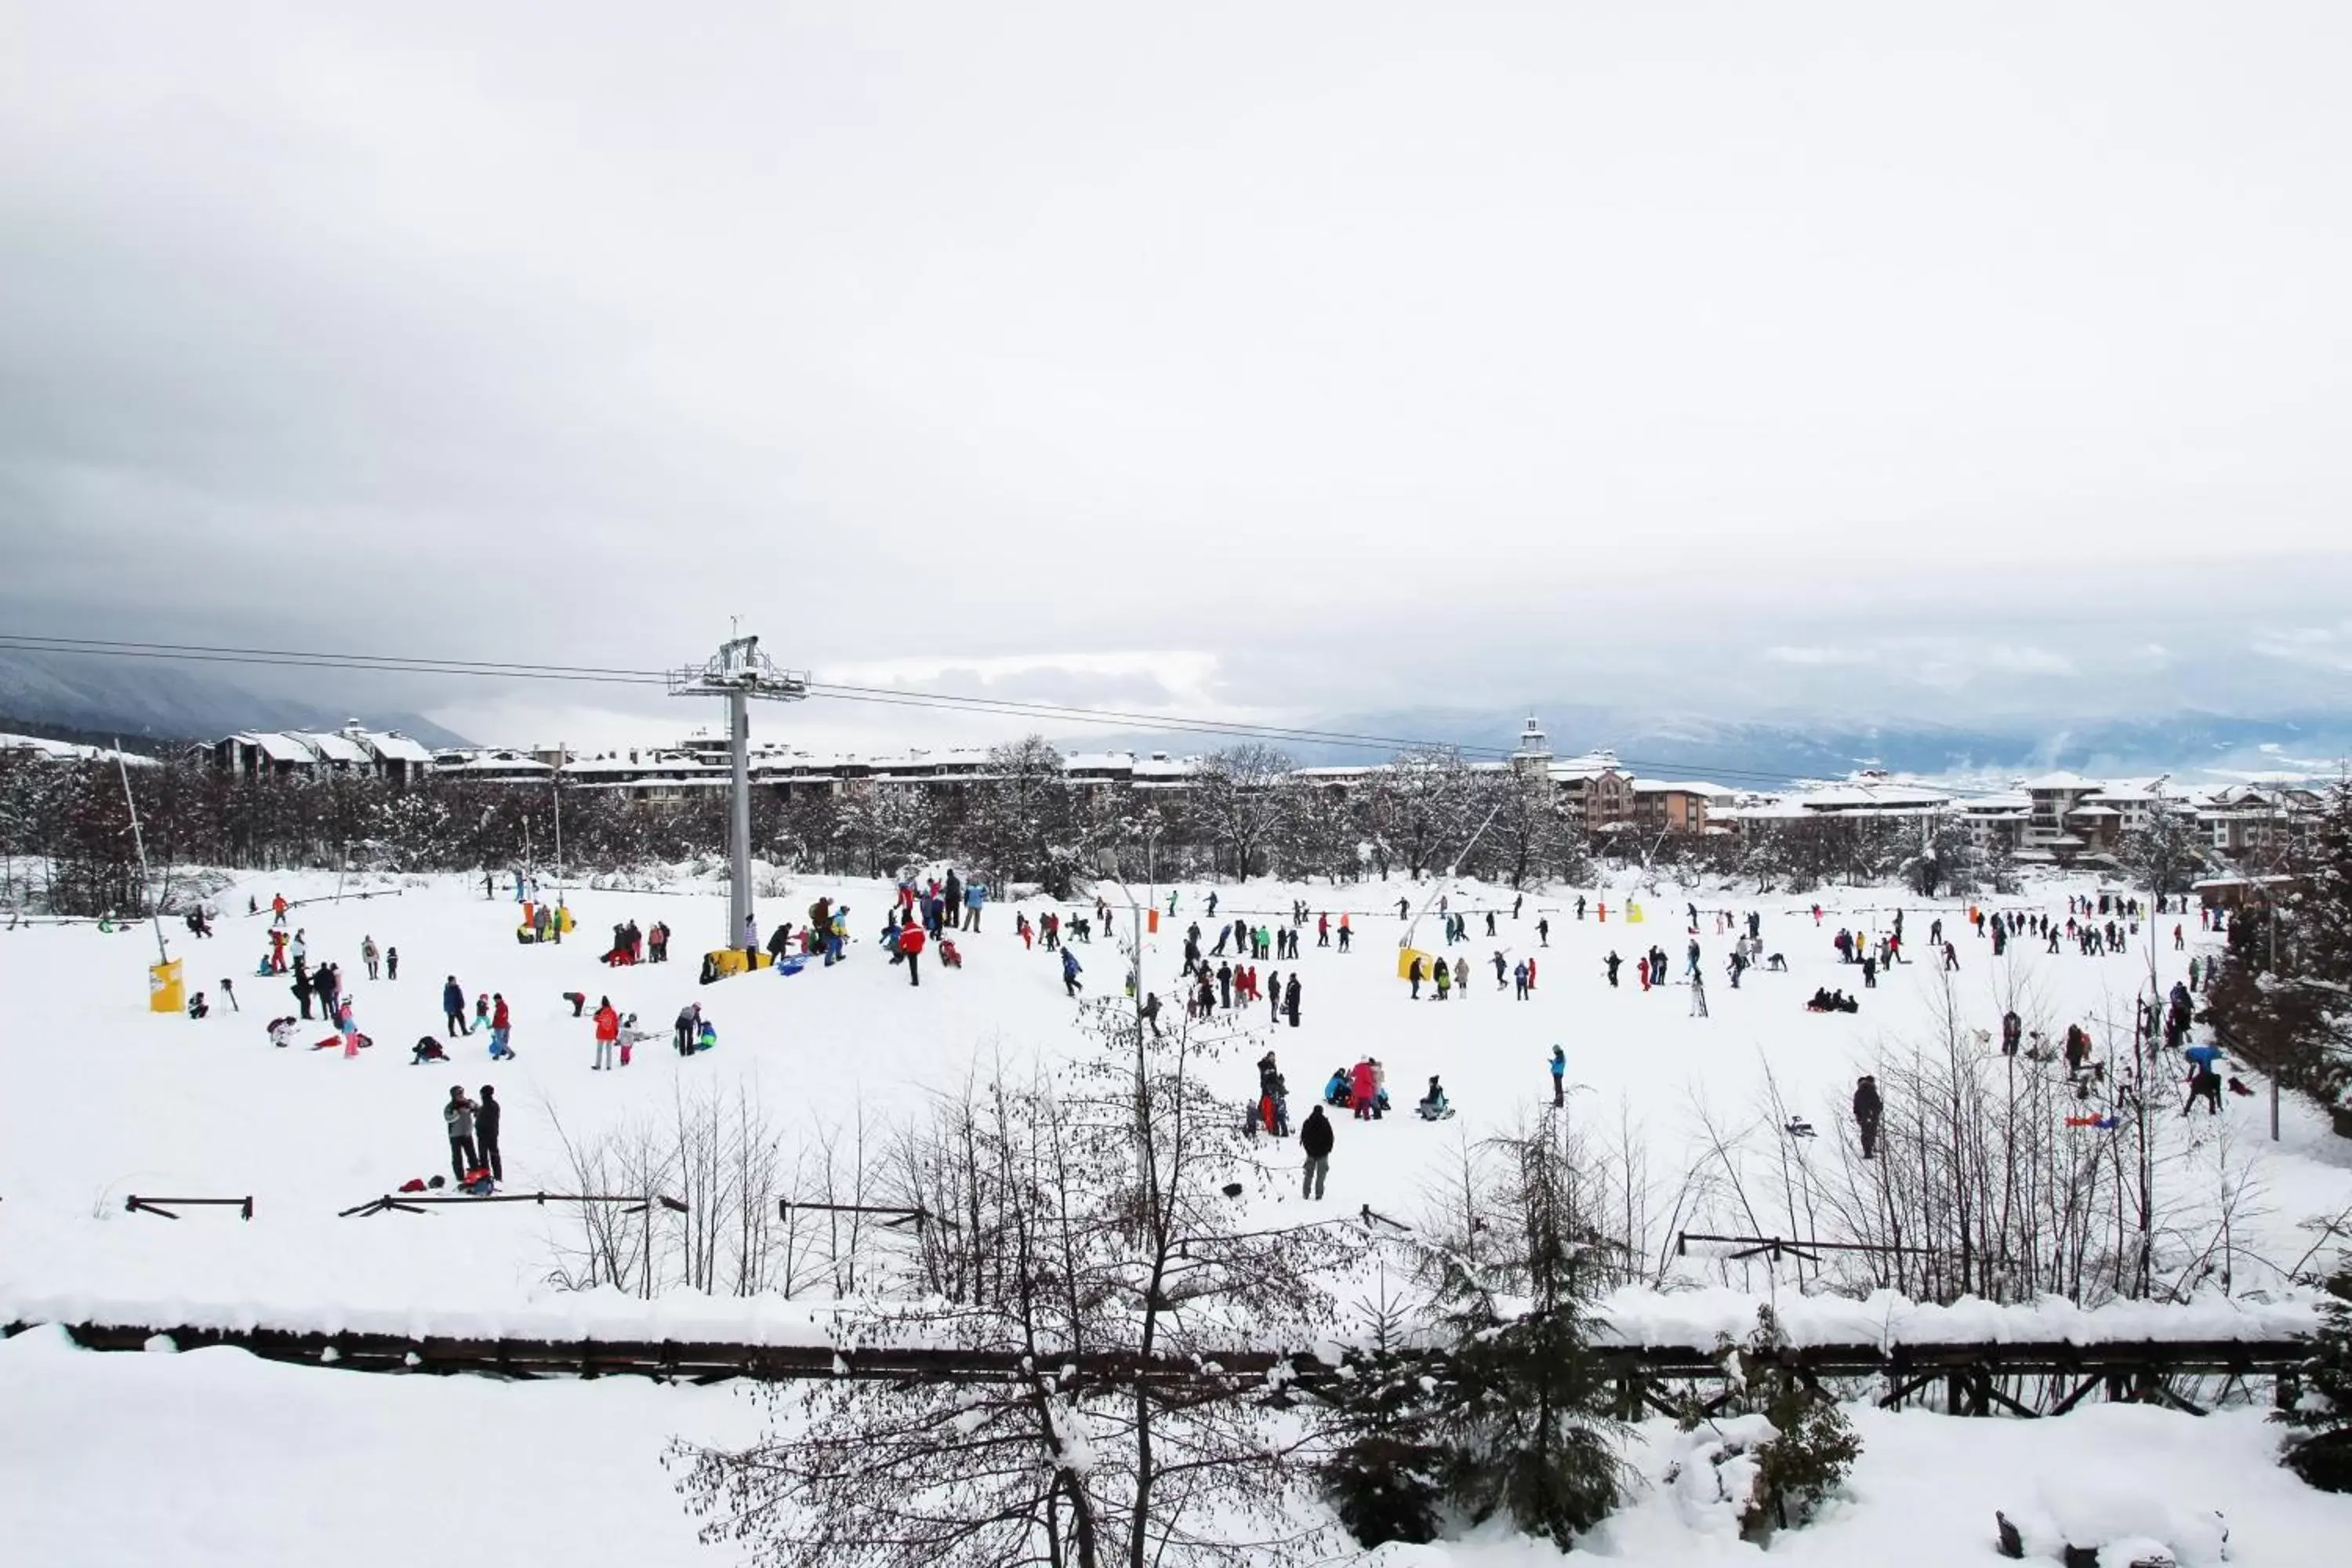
[{"x": 1082, "y": 1230}]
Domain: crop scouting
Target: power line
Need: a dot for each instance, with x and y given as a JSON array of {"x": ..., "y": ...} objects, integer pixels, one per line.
[{"x": 502, "y": 669}]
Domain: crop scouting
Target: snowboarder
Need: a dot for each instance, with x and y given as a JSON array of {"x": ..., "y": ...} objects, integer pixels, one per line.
[
  {"x": 1314, "y": 1138},
  {"x": 1867, "y": 1112}
]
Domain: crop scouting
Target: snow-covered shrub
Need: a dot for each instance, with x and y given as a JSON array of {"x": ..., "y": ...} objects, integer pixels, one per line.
[{"x": 1798, "y": 1442}]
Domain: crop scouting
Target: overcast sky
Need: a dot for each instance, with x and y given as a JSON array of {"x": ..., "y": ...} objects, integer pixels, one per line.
[{"x": 1276, "y": 359}]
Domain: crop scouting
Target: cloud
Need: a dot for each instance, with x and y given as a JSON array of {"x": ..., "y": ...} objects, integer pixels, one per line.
[
  {"x": 956, "y": 349},
  {"x": 1814, "y": 657}
]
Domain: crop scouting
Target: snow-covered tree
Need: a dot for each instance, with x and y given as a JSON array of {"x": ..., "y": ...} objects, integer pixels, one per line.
[
  {"x": 2320, "y": 1451},
  {"x": 1526, "y": 1409},
  {"x": 1240, "y": 797}
]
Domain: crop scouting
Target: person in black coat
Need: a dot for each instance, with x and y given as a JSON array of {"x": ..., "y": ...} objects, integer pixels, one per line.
[
  {"x": 1314, "y": 1138},
  {"x": 485, "y": 1132},
  {"x": 1867, "y": 1113}
]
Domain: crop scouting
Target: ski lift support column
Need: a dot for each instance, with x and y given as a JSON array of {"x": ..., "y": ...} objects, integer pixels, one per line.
[{"x": 738, "y": 673}]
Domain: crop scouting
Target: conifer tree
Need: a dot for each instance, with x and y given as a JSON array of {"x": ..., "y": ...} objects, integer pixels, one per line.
[
  {"x": 1386, "y": 1476},
  {"x": 1526, "y": 1406},
  {"x": 2320, "y": 1451}
]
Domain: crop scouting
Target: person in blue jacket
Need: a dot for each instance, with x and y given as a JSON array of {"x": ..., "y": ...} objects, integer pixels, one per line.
[
  {"x": 974, "y": 895},
  {"x": 1558, "y": 1075},
  {"x": 1069, "y": 972},
  {"x": 453, "y": 1006}
]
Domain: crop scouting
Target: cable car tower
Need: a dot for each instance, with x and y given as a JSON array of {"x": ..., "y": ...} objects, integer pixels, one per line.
[{"x": 738, "y": 673}]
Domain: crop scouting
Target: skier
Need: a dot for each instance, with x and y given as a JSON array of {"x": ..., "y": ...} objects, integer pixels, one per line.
[
  {"x": 1867, "y": 1112},
  {"x": 1314, "y": 1138},
  {"x": 457, "y": 1116},
  {"x": 453, "y": 1006},
  {"x": 485, "y": 1132},
  {"x": 1558, "y": 1075}
]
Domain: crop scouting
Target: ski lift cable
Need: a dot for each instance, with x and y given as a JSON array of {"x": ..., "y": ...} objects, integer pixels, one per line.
[{"x": 896, "y": 696}]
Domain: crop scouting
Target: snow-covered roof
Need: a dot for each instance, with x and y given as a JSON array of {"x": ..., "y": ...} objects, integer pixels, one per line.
[
  {"x": 1994, "y": 805},
  {"x": 391, "y": 745},
  {"x": 1681, "y": 786},
  {"x": 488, "y": 762},
  {"x": 275, "y": 746},
  {"x": 2060, "y": 780},
  {"x": 2093, "y": 811},
  {"x": 66, "y": 751},
  {"x": 330, "y": 747}
]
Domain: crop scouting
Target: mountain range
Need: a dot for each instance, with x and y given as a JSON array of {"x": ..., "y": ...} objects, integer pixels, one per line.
[
  {"x": 153, "y": 702},
  {"x": 1781, "y": 748},
  {"x": 86, "y": 697}
]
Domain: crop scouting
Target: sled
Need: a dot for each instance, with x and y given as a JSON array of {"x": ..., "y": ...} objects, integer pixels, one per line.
[{"x": 1444, "y": 1115}]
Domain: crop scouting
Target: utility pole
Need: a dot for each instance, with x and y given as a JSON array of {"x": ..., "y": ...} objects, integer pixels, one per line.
[
  {"x": 738, "y": 673},
  {"x": 139, "y": 841},
  {"x": 555, "y": 787}
]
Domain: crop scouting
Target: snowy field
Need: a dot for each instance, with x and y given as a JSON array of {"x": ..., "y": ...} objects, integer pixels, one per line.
[
  {"x": 212, "y": 1457},
  {"x": 105, "y": 1099}
]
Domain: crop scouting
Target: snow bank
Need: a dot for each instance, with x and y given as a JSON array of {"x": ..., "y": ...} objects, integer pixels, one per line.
[{"x": 1696, "y": 1318}]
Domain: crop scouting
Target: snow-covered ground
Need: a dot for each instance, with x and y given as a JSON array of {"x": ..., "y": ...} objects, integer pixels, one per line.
[
  {"x": 105, "y": 1099},
  {"x": 213, "y": 1458}
]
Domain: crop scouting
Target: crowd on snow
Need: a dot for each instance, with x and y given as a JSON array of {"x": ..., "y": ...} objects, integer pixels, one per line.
[{"x": 922, "y": 914}]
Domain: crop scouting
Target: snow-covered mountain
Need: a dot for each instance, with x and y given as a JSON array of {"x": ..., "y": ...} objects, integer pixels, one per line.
[
  {"x": 1779, "y": 746},
  {"x": 152, "y": 699}
]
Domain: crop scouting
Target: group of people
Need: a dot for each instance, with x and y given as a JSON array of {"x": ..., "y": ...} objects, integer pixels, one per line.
[{"x": 631, "y": 945}]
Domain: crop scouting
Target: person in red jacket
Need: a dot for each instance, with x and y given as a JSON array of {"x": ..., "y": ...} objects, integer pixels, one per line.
[
  {"x": 608, "y": 1033},
  {"x": 911, "y": 948},
  {"x": 500, "y": 1022}
]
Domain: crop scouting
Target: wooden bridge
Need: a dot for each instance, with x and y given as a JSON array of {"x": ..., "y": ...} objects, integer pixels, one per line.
[{"x": 2027, "y": 1380}]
